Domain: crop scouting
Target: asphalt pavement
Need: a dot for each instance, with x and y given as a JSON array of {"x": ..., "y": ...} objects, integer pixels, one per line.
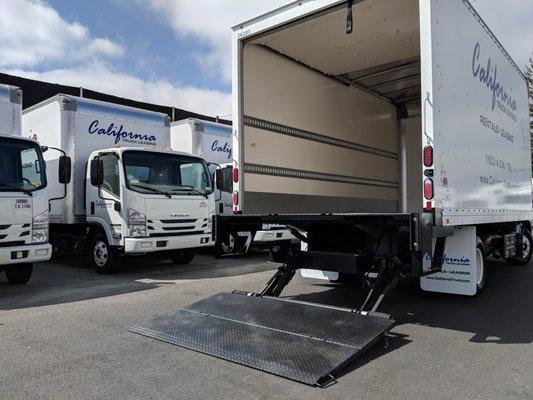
[{"x": 65, "y": 336}]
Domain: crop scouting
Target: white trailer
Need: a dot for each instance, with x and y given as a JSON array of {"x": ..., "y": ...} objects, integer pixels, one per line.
[
  {"x": 213, "y": 142},
  {"x": 393, "y": 138},
  {"x": 23, "y": 194},
  {"x": 128, "y": 193}
]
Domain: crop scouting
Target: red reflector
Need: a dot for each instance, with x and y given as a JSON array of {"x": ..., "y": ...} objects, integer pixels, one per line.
[
  {"x": 235, "y": 198},
  {"x": 235, "y": 175},
  {"x": 428, "y": 189},
  {"x": 428, "y": 156},
  {"x": 429, "y": 206}
]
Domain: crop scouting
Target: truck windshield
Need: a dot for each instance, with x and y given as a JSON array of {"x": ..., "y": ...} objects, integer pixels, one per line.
[
  {"x": 21, "y": 166},
  {"x": 168, "y": 174}
]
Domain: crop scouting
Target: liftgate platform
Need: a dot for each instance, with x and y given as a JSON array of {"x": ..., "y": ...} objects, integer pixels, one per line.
[{"x": 305, "y": 342}]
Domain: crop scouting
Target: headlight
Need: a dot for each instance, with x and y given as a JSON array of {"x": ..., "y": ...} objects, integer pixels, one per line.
[
  {"x": 136, "y": 217},
  {"x": 39, "y": 231},
  {"x": 137, "y": 223},
  {"x": 137, "y": 231}
]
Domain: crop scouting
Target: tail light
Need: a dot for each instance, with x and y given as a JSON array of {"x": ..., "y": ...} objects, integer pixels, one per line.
[
  {"x": 235, "y": 175},
  {"x": 428, "y": 156},
  {"x": 428, "y": 189},
  {"x": 235, "y": 198}
]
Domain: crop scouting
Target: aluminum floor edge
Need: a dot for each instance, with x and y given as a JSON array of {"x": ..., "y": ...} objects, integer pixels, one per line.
[{"x": 302, "y": 342}]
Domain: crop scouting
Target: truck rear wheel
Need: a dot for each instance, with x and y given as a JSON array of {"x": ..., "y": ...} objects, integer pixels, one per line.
[
  {"x": 19, "y": 274},
  {"x": 183, "y": 257},
  {"x": 101, "y": 256},
  {"x": 527, "y": 250},
  {"x": 481, "y": 262}
]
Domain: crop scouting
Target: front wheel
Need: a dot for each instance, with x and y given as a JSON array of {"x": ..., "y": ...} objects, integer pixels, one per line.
[
  {"x": 527, "y": 250},
  {"x": 183, "y": 257},
  {"x": 19, "y": 274},
  {"x": 101, "y": 256}
]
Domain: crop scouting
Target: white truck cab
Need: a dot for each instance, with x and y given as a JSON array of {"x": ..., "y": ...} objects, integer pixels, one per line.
[
  {"x": 148, "y": 201},
  {"x": 23, "y": 194},
  {"x": 128, "y": 193}
]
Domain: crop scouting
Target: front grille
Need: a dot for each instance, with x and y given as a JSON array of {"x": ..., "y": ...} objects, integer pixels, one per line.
[
  {"x": 173, "y": 227},
  {"x": 14, "y": 243},
  {"x": 178, "y": 221},
  {"x": 175, "y": 234},
  {"x": 13, "y": 233},
  {"x": 177, "y": 228}
]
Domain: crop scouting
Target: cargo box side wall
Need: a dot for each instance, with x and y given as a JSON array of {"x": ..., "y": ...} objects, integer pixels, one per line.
[
  {"x": 356, "y": 170},
  {"x": 480, "y": 121},
  {"x": 10, "y": 110},
  {"x": 49, "y": 124},
  {"x": 93, "y": 131}
]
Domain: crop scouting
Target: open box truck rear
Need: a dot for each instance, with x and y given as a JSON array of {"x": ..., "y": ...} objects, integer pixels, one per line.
[{"x": 393, "y": 138}]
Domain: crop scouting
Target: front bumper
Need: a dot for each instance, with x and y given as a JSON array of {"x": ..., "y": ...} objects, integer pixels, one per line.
[
  {"x": 25, "y": 254},
  {"x": 273, "y": 236},
  {"x": 166, "y": 243}
]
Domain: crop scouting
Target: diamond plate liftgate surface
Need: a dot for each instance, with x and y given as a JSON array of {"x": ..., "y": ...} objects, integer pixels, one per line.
[{"x": 303, "y": 342}]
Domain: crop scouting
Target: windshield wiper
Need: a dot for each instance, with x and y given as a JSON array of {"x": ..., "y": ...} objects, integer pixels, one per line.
[
  {"x": 169, "y": 195},
  {"x": 190, "y": 189},
  {"x": 25, "y": 191}
]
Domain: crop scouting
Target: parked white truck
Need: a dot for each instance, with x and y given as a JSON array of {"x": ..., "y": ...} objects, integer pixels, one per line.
[
  {"x": 393, "y": 138},
  {"x": 129, "y": 194},
  {"x": 23, "y": 194},
  {"x": 213, "y": 142}
]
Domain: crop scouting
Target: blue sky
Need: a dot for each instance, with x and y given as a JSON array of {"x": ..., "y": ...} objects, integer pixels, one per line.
[
  {"x": 154, "y": 50},
  {"x": 171, "y": 52}
]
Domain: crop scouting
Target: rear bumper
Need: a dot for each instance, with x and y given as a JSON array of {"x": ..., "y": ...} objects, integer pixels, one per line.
[
  {"x": 25, "y": 254},
  {"x": 272, "y": 236},
  {"x": 167, "y": 243}
]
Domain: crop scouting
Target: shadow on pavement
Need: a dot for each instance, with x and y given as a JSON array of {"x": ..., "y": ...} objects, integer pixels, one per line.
[
  {"x": 68, "y": 279},
  {"x": 502, "y": 313}
]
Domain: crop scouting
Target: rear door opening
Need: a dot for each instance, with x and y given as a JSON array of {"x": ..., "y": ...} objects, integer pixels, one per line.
[{"x": 331, "y": 121}]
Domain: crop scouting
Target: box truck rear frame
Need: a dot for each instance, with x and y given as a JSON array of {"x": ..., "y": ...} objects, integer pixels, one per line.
[{"x": 457, "y": 194}]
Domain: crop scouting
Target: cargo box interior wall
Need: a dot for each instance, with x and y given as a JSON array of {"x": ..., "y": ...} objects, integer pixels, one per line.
[{"x": 324, "y": 113}]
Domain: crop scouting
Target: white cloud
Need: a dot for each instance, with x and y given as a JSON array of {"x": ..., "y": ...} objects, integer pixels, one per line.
[
  {"x": 98, "y": 76},
  {"x": 210, "y": 21},
  {"x": 37, "y": 43},
  {"x": 31, "y": 32},
  {"x": 512, "y": 23}
]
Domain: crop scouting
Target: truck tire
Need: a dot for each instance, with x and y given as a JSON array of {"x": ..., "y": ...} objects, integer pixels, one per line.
[
  {"x": 481, "y": 264},
  {"x": 19, "y": 274},
  {"x": 527, "y": 243},
  {"x": 101, "y": 256},
  {"x": 183, "y": 257}
]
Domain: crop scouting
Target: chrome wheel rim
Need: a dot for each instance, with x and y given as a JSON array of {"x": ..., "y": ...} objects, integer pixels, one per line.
[
  {"x": 526, "y": 246},
  {"x": 479, "y": 266},
  {"x": 100, "y": 253}
]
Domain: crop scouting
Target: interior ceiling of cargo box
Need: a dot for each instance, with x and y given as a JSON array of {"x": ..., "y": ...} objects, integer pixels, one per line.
[{"x": 382, "y": 54}]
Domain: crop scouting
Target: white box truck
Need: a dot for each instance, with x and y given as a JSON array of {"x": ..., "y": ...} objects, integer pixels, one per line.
[
  {"x": 393, "y": 138},
  {"x": 213, "y": 142},
  {"x": 129, "y": 194},
  {"x": 23, "y": 194}
]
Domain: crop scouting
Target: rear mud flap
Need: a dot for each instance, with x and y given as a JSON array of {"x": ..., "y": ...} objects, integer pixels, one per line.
[{"x": 299, "y": 341}]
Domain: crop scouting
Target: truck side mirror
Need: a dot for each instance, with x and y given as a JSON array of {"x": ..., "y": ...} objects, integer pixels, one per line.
[
  {"x": 97, "y": 172},
  {"x": 218, "y": 178},
  {"x": 65, "y": 169}
]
